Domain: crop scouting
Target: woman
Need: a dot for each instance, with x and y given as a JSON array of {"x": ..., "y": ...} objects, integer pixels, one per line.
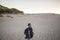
[{"x": 28, "y": 32}]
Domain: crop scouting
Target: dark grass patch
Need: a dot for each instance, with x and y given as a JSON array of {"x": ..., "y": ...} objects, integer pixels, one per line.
[
  {"x": 1, "y": 15},
  {"x": 10, "y": 16}
]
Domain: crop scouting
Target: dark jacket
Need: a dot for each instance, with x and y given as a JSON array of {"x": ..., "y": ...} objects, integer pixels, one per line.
[{"x": 28, "y": 31}]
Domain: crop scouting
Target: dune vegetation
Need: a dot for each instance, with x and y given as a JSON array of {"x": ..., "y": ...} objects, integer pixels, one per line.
[{"x": 7, "y": 10}]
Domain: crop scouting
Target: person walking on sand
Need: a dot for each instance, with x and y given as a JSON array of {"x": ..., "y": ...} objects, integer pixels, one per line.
[{"x": 28, "y": 32}]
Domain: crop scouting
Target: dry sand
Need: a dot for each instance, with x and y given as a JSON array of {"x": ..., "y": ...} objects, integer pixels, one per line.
[{"x": 45, "y": 26}]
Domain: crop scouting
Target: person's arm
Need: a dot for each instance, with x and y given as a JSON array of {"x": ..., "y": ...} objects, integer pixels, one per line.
[
  {"x": 25, "y": 31},
  {"x": 32, "y": 31}
]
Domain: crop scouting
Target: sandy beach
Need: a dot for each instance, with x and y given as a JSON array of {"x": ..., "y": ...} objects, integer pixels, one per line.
[{"x": 45, "y": 26}]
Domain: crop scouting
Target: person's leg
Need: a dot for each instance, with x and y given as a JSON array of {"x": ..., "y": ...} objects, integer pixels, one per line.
[{"x": 26, "y": 36}]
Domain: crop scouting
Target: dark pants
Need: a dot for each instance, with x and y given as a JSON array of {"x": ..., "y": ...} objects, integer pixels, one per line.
[{"x": 27, "y": 36}]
